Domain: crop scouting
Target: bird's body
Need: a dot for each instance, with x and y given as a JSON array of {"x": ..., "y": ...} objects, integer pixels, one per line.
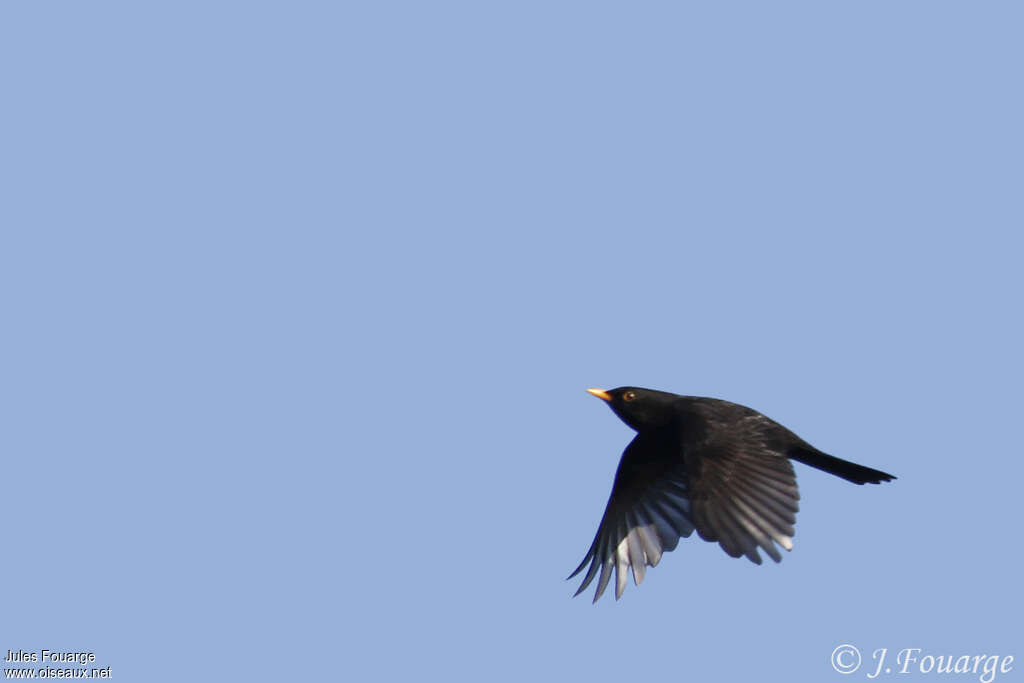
[{"x": 701, "y": 464}]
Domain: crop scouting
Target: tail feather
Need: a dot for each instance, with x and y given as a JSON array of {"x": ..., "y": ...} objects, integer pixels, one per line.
[{"x": 850, "y": 471}]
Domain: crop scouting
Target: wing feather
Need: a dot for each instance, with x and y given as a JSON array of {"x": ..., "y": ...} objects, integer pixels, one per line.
[
  {"x": 647, "y": 513},
  {"x": 746, "y": 498}
]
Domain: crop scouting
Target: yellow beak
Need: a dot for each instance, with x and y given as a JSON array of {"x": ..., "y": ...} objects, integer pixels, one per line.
[{"x": 601, "y": 394}]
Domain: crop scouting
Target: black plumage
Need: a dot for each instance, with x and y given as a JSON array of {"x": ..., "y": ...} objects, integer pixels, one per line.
[{"x": 701, "y": 464}]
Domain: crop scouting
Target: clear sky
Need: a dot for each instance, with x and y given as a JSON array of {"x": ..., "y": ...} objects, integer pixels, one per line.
[{"x": 300, "y": 301}]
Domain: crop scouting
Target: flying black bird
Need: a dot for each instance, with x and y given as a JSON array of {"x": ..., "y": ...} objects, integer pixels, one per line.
[{"x": 705, "y": 464}]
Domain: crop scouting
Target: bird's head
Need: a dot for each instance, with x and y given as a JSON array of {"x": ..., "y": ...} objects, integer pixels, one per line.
[{"x": 641, "y": 409}]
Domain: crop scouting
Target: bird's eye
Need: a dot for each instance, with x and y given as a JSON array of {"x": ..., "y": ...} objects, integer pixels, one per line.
[{"x": 628, "y": 396}]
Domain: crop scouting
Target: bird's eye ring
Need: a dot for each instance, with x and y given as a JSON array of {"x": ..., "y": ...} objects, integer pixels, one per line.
[{"x": 628, "y": 396}]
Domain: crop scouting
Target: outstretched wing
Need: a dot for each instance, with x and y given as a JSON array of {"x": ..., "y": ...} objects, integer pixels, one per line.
[
  {"x": 648, "y": 511},
  {"x": 743, "y": 488}
]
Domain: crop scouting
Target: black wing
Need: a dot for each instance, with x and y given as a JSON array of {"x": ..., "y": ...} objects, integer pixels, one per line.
[
  {"x": 743, "y": 488},
  {"x": 648, "y": 511}
]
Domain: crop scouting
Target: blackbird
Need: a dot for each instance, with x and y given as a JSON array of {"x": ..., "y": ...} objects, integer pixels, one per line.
[{"x": 705, "y": 464}]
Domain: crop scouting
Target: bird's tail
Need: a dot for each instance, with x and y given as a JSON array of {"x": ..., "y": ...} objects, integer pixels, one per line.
[{"x": 850, "y": 471}]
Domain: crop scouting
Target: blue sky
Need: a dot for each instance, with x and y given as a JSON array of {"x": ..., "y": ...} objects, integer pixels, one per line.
[{"x": 301, "y": 300}]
